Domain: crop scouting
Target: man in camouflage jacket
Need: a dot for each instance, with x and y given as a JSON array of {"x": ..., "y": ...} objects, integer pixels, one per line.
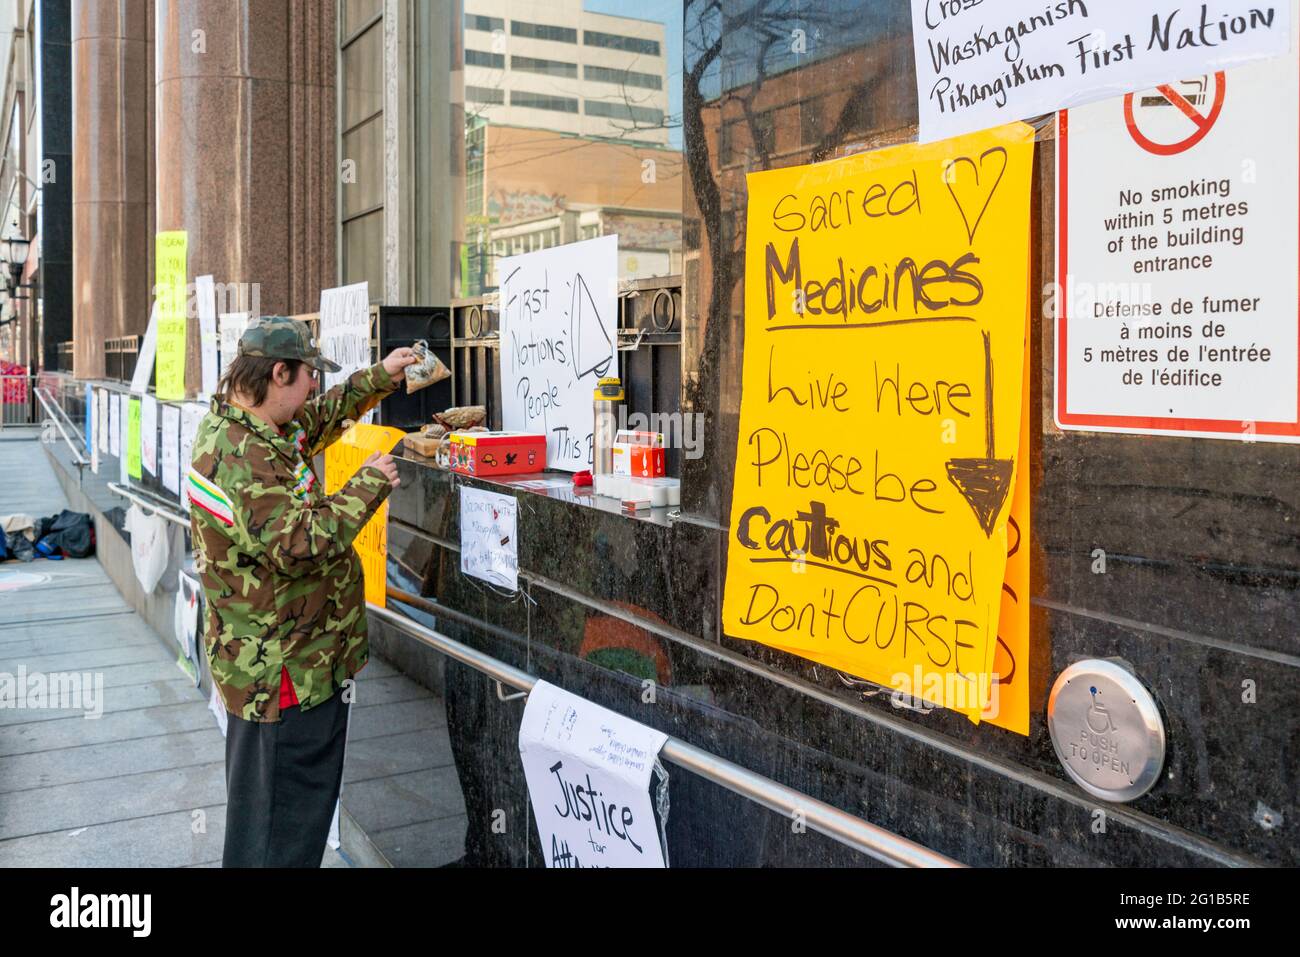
[{"x": 286, "y": 619}]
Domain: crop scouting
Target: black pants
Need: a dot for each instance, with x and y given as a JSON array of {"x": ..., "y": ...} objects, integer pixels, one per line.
[{"x": 282, "y": 782}]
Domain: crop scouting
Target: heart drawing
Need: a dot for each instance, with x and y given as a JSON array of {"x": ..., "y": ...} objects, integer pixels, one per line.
[{"x": 973, "y": 191}]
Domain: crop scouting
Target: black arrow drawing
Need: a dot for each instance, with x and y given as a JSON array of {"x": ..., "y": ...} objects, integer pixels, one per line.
[{"x": 984, "y": 482}]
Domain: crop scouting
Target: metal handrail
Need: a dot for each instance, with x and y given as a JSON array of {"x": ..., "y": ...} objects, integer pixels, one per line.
[
  {"x": 137, "y": 498},
  {"x": 49, "y": 411},
  {"x": 847, "y": 829}
]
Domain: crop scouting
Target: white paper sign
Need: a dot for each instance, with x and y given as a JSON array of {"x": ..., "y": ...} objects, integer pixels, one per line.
[
  {"x": 981, "y": 63},
  {"x": 588, "y": 771},
  {"x": 232, "y": 326},
  {"x": 104, "y": 429},
  {"x": 218, "y": 710},
  {"x": 206, "y": 293},
  {"x": 149, "y": 434},
  {"x": 345, "y": 330},
  {"x": 188, "y": 603},
  {"x": 1178, "y": 300},
  {"x": 145, "y": 358},
  {"x": 191, "y": 415},
  {"x": 122, "y": 433},
  {"x": 559, "y": 332},
  {"x": 169, "y": 448},
  {"x": 115, "y": 442},
  {"x": 489, "y": 545}
]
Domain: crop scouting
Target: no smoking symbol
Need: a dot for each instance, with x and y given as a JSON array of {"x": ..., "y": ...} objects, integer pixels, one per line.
[{"x": 1154, "y": 109}]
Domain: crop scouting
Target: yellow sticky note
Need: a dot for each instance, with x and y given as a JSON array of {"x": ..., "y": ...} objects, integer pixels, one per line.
[
  {"x": 342, "y": 459},
  {"x": 170, "y": 285},
  {"x": 880, "y": 415}
]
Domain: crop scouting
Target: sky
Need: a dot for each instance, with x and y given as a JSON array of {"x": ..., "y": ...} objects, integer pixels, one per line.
[{"x": 669, "y": 13}]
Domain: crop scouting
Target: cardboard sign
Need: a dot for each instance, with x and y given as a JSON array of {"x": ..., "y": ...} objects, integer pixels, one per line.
[
  {"x": 885, "y": 318},
  {"x": 342, "y": 459},
  {"x": 559, "y": 331},
  {"x": 489, "y": 537},
  {"x": 588, "y": 771},
  {"x": 1176, "y": 284},
  {"x": 170, "y": 302},
  {"x": 980, "y": 64}
]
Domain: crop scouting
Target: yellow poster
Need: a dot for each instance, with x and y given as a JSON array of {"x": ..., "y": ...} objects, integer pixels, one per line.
[
  {"x": 880, "y": 419},
  {"x": 342, "y": 459},
  {"x": 169, "y": 291},
  {"x": 133, "y": 438}
]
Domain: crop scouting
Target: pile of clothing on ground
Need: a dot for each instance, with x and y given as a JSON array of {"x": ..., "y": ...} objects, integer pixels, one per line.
[{"x": 66, "y": 535}]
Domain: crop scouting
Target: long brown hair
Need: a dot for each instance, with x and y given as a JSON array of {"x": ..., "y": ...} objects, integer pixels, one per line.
[{"x": 250, "y": 376}]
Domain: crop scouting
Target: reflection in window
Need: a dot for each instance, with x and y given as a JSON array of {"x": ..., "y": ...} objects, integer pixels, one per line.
[
  {"x": 542, "y": 31},
  {"x": 479, "y": 58},
  {"x": 624, "y": 111},
  {"x": 484, "y": 94},
  {"x": 558, "y": 150},
  {"x": 612, "y": 41},
  {"x": 538, "y": 101},
  {"x": 545, "y": 67},
  {"x": 474, "y": 21},
  {"x": 602, "y": 74}
]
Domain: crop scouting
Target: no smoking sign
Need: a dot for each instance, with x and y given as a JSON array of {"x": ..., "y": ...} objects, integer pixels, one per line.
[{"x": 1174, "y": 117}]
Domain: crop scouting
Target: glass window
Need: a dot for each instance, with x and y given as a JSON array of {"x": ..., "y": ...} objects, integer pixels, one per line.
[
  {"x": 363, "y": 169},
  {"x": 474, "y": 21},
  {"x": 547, "y": 67},
  {"x": 624, "y": 111},
  {"x": 363, "y": 252},
  {"x": 480, "y": 58},
  {"x": 614, "y": 41},
  {"x": 484, "y": 94},
  {"x": 543, "y": 31},
  {"x": 356, "y": 13},
  {"x": 603, "y": 74},
  {"x": 538, "y": 101},
  {"x": 363, "y": 77}
]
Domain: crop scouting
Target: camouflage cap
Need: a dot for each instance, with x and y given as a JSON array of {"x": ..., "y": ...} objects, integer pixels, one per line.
[{"x": 283, "y": 337}]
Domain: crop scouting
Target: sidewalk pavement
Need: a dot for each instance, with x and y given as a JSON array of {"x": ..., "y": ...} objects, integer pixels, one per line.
[{"x": 143, "y": 785}]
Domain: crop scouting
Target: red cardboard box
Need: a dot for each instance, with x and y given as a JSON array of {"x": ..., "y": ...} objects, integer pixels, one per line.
[{"x": 497, "y": 453}]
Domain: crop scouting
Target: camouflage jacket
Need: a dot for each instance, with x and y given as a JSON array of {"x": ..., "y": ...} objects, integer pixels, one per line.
[{"x": 283, "y": 583}]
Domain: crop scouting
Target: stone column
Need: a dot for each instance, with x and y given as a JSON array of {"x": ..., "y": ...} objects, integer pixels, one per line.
[
  {"x": 112, "y": 175},
  {"x": 245, "y": 154}
]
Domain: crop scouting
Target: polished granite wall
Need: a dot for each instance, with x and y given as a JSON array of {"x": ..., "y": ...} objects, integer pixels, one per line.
[
  {"x": 1199, "y": 594},
  {"x": 212, "y": 116},
  {"x": 112, "y": 175}
]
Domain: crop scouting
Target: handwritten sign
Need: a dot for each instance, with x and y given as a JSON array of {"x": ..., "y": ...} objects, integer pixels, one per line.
[
  {"x": 169, "y": 448},
  {"x": 133, "y": 438},
  {"x": 980, "y": 64},
  {"x": 345, "y": 332},
  {"x": 342, "y": 459},
  {"x": 1176, "y": 284},
  {"x": 559, "y": 329},
  {"x": 149, "y": 434},
  {"x": 489, "y": 537},
  {"x": 115, "y": 424},
  {"x": 170, "y": 301},
  {"x": 885, "y": 315},
  {"x": 588, "y": 771}
]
